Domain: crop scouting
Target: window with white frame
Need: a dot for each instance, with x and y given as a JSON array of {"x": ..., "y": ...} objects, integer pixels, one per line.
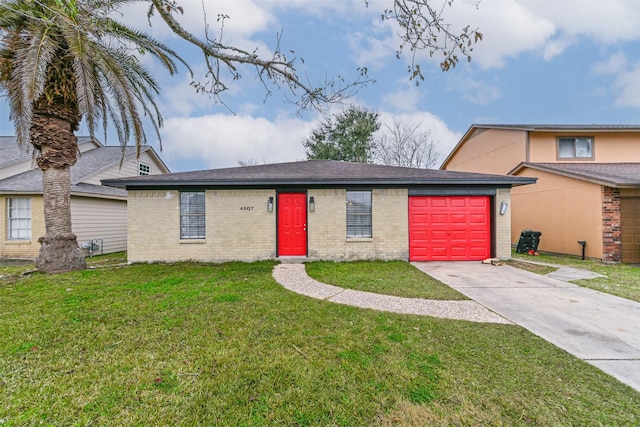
[
  {"x": 192, "y": 215},
  {"x": 19, "y": 218},
  {"x": 575, "y": 148},
  {"x": 359, "y": 214},
  {"x": 144, "y": 169}
]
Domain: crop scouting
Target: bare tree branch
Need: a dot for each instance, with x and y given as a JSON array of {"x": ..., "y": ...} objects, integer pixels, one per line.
[
  {"x": 423, "y": 27},
  {"x": 277, "y": 69},
  {"x": 405, "y": 145}
]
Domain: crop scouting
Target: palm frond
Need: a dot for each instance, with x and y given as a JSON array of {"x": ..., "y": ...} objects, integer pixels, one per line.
[{"x": 110, "y": 84}]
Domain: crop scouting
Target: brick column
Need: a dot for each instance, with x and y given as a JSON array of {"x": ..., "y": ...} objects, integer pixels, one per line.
[{"x": 611, "y": 229}]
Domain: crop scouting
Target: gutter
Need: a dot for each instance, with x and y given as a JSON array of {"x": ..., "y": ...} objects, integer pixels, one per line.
[{"x": 130, "y": 185}]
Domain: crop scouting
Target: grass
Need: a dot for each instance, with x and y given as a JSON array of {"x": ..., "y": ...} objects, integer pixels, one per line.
[
  {"x": 534, "y": 268},
  {"x": 622, "y": 280},
  {"x": 198, "y": 344},
  {"x": 397, "y": 278}
]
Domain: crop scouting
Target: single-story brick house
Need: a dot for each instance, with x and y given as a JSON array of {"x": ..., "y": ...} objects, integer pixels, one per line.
[{"x": 319, "y": 209}]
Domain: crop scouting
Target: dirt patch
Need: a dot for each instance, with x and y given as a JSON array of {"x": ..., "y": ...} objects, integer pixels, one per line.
[{"x": 534, "y": 268}]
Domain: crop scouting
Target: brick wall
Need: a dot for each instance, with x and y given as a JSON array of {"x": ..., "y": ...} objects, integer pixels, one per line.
[
  {"x": 503, "y": 224},
  {"x": 238, "y": 227},
  {"x": 611, "y": 229},
  {"x": 328, "y": 228}
]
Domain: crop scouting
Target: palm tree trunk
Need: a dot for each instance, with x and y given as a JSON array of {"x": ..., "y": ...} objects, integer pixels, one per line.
[
  {"x": 52, "y": 134},
  {"x": 59, "y": 251}
]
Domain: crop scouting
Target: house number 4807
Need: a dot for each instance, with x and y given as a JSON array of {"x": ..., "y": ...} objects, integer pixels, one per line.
[{"x": 246, "y": 208}]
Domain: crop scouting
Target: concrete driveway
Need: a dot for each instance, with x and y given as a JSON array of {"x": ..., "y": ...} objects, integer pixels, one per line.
[{"x": 602, "y": 329}]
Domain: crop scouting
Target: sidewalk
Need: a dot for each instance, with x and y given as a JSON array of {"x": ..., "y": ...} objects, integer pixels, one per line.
[{"x": 563, "y": 272}]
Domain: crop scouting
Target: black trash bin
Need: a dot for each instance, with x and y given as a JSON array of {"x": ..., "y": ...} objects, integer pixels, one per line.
[{"x": 529, "y": 241}]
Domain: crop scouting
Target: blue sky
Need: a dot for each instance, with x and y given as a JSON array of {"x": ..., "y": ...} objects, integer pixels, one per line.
[{"x": 540, "y": 62}]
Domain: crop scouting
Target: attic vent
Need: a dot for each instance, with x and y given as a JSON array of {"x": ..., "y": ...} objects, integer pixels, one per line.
[{"x": 144, "y": 169}]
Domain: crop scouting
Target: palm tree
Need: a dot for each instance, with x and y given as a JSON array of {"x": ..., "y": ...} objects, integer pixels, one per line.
[{"x": 62, "y": 61}]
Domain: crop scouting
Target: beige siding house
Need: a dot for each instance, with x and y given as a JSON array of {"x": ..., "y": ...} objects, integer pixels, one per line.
[
  {"x": 98, "y": 213},
  {"x": 318, "y": 209},
  {"x": 588, "y": 186}
]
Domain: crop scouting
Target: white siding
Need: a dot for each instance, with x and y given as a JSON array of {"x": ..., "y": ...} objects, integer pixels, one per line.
[
  {"x": 129, "y": 168},
  {"x": 88, "y": 145},
  {"x": 100, "y": 219},
  {"x": 16, "y": 168}
]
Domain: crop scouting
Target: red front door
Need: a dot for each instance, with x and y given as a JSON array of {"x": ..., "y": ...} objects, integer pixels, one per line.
[{"x": 292, "y": 224}]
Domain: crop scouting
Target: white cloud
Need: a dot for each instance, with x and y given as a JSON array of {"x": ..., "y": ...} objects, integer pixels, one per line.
[
  {"x": 245, "y": 18},
  {"x": 627, "y": 87},
  {"x": 476, "y": 91},
  {"x": 548, "y": 28},
  {"x": 603, "y": 21},
  {"x": 626, "y": 79},
  {"x": 508, "y": 29},
  {"x": 222, "y": 140},
  {"x": 616, "y": 63},
  {"x": 219, "y": 140},
  {"x": 556, "y": 46},
  {"x": 375, "y": 47},
  {"x": 405, "y": 97}
]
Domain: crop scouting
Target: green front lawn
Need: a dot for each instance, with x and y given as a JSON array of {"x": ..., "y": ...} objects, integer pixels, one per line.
[
  {"x": 199, "y": 344},
  {"x": 397, "y": 278},
  {"x": 622, "y": 280}
]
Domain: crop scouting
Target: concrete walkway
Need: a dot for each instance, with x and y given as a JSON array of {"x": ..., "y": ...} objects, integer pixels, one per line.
[
  {"x": 295, "y": 278},
  {"x": 602, "y": 329}
]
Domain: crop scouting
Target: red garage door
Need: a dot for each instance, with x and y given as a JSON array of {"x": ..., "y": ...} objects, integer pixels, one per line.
[{"x": 449, "y": 228}]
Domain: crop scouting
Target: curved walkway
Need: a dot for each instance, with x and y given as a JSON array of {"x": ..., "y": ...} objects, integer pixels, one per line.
[{"x": 294, "y": 277}]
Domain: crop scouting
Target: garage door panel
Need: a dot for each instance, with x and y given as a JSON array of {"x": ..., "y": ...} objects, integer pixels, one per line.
[
  {"x": 459, "y": 235},
  {"x": 457, "y": 202},
  {"x": 477, "y": 235},
  {"x": 450, "y": 228},
  {"x": 419, "y": 236},
  {"x": 460, "y": 219},
  {"x": 478, "y": 202},
  {"x": 477, "y": 219},
  {"x": 421, "y": 253},
  {"x": 437, "y": 220},
  {"x": 439, "y": 203}
]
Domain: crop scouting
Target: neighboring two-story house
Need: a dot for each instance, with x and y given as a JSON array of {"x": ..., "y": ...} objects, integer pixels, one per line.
[
  {"x": 588, "y": 186},
  {"x": 98, "y": 213}
]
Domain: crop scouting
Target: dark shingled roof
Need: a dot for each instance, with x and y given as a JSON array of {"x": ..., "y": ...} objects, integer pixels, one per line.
[
  {"x": 617, "y": 175},
  {"x": 315, "y": 173},
  {"x": 10, "y": 152},
  {"x": 88, "y": 163},
  {"x": 561, "y": 127}
]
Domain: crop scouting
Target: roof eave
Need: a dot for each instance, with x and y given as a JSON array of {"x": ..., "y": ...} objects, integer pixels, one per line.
[
  {"x": 130, "y": 185},
  {"x": 581, "y": 177},
  {"x": 98, "y": 195}
]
